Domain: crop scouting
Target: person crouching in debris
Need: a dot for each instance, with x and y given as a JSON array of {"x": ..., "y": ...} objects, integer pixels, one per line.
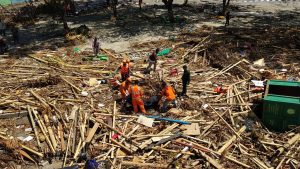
[
  {"x": 185, "y": 80},
  {"x": 167, "y": 93},
  {"x": 227, "y": 16},
  {"x": 125, "y": 69},
  {"x": 96, "y": 46},
  {"x": 124, "y": 90},
  {"x": 153, "y": 60},
  {"x": 136, "y": 93}
]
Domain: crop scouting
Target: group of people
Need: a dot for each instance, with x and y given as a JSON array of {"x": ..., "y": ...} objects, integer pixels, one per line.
[
  {"x": 132, "y": 92},
  {"x": 3, "y": 42}
]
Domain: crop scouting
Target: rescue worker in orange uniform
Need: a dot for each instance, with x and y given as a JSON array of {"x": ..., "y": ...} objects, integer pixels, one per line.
[
  {"x": 137, "y": 94},
  {"x": 124, "y": 88},
  {"x": 124, "y": 69},
  {"x": 169, "y": 94}
]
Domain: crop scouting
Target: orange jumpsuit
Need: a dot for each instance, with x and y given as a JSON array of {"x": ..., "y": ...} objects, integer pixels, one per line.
[
  {"x": 124, "y": 87},
  {"x": 124, "y": 71},
  {"x": 169, "y": 92},
  {"x": 137, "y": 102}
]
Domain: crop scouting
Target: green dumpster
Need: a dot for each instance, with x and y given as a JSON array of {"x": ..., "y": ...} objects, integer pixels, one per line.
[{"x": 281, "y": 105}]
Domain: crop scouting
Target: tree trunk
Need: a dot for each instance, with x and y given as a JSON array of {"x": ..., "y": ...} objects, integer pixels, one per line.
[
  {"x": 169, "y": 5},
  {"x": 140, "y": 4},
  {"x": 225, "y": 6},
  {"x": 66, "y": 27},
  {"x": 114, "y": 7},
  {"x": 185, "y": 2}
]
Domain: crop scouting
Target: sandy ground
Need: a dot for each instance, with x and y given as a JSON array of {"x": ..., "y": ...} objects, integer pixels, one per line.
[
  {"x": 243, "y": 17},
  {"x": 134, "y": 26}
]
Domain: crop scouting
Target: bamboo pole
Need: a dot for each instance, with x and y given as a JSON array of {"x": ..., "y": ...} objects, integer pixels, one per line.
[
  {"x": 34, "y": 128},
  {"x": 43, "y": 131}
]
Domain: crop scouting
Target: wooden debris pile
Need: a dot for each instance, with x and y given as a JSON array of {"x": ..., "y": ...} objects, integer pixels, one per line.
[{"x": 72, "y": 115}]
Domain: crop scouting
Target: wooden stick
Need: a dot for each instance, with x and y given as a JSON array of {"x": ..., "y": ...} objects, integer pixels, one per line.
[
  {"x": 237, "y": 162},
  {"x": 39, "y": 98},
  {"x": 92, "y": 133},
  {"x": 32, "y": 151},
  {"x": 34, "y": 127},
  {"x": 122, "y": 146},
  {"x": 259, "y": 163},
  {"x": 213, "y": 123},
  {"x": 72, "y": 85},
  {"x": 225, "y": 122},
  {"x": 52, "y": 138},
  {"x": 231, "y": 118},
  {"x": 211, "y": 160},
  {"x": 44, "y": 132},
  {"x": 88, "y": 139},
  {"x": 226, "y": 69},
  {"x": 114, "y": 117},
  {"x": 129, "y": 163},
  {"x": 288, "y": 153},
  {"x": 68, "y": 144},
  {"x": 231, "y": 140},
  {"x": 61, "y": 135},
  {"x": 108, "y": 126},
  {"x": 290, "y": 142},
  {"x": 75, "y": 131}
]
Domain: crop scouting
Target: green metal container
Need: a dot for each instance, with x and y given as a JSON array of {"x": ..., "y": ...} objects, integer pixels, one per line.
[
  {"x": 284, "y": 88},
  {"x": 281, "y": 105}
]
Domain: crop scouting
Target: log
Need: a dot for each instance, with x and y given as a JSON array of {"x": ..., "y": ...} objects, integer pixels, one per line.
[{"x": 151, "y": 165}]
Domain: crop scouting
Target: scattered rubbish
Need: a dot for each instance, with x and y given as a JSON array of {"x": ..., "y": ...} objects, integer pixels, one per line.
[
  {"x": 164, "y": 52},
  {"x": 84, "y": 93},
  {"x": 258, "y": 83},
  {"x": 145, "y": 121},
  {"x": 260, "y": 62},
  {"x": 101, "y": 105}
]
